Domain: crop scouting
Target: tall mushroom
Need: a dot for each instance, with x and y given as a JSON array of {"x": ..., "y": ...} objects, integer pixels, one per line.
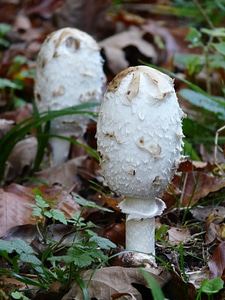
[
  {"x": 139, "y": 137},
  {"x": 69, "y": 72}
]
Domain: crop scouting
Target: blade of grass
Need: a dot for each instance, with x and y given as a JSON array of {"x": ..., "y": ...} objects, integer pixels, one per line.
[
  {"x": 19, "y": 131},
  {"x": 153, "y": 285}
]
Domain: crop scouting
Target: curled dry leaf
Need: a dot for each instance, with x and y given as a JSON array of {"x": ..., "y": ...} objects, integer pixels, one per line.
[
  {"x": 5, "y": 126},
  {"x": 21, "y": 159},
  {"x": 201, "y": 213},
  {"x": 114, "y": 49},
  {"x": 171, "y": 37},
  {"x": 115, "y": 233},
  {"x": 178, "y": 235},
  {"x": 216, "y": 262},
  {"x": 190, "y": 185},
  {"x": 106, "y": 282},
  {"x": 215, "y": 227}
]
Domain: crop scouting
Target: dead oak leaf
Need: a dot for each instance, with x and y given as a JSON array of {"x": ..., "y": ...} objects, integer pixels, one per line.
[
  {"x": 189, "y": 187},
  {"x": 63, "y": 174},
  {"x": 178, "y": 235},
  {"x": 21, "y": 158},
  {"x": 15, "y": 200},
  {"x": 216, "y": 262},
  {"x": 109, "y": 281}
]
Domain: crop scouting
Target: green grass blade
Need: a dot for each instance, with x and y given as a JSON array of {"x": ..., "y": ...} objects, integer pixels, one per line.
[
  {"x": 155, "y": 288},
  {"x": 19, "y": 131}
]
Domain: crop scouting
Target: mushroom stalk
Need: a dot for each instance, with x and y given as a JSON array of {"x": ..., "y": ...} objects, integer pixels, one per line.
[
  {"x": 140, "y": 222},
  {"x": 139, "y": 137}
]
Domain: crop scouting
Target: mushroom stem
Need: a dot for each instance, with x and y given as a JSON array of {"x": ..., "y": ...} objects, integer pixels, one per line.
[
  {"x": 140, "y": 223},
  {"x": 140, "y": 235}
]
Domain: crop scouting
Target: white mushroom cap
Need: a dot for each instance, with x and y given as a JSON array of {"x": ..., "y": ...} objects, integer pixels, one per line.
[
  {"x": 69, "y": 72},
  {"x": 139, "y": 132},
  {"x": 139, "y": 137}
]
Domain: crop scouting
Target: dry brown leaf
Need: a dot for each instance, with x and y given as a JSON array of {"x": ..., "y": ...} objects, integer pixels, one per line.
[
  {"x": 177, "y": 288},
  {"x": 21, "y": 158},
  {"x": 14, "y": 210},
  {"x": 15, "y": 200},
  {"x": 113, "y": 47},
  {"x": 177, "y": 235},
  {"x": 216, "y": 262},
  {"x": 115, "y": 233},
  {"x": 5, "y": 126},
  {"x": 61, "y": 198},
  {"x": 64, "y": 174},
  {"x": 111, "y": 280},
  {"x": 215, "y": 227},
  {"x": 201, "y": 213},
  {"x": 188, "y": 187},
  {"x": 20, "y": 113}
]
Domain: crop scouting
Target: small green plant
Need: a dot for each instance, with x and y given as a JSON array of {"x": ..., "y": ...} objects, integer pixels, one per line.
[
  {"x": 18, "y": 295},
  {"x": 210, "y": 287},
  {"x": 211, "y": 43},
  {"x": 4, "y": 29},
  {"x": 61, "y": 260}
]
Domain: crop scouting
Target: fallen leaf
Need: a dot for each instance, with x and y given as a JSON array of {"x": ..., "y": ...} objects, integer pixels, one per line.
[
  {"x": 201, "y": 213},
  {"x": 215, "y": 227},
  {"x": 188, "y": 187},
  {"x": 115, "y": 233},
  {"x": 14, "y": 210},
  {"x": 105, "y": 282},
  {"x": 176, "y": 288},
  {"x": 88, "y": 15},
  {"x": 5, "y": 126},
  {"x": 63, "y": 174},
  {"x": 178, "y": 235},
  {"x": 15, "y": 200},
  {"x": 216, "y": 262},
  {"x": 21, "y": 159},
  {"x": 114, "y": 49}
]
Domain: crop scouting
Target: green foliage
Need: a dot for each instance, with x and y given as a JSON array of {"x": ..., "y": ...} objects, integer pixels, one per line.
[
  {"x": 4, "y": 29},
  {"x": 85, "y": 249},
  {"x": 161, "y": 232},
  {"x": 210, "y": 287},
  {"x": 18, "y": 295},
  {"x": 21, "y": 130},
  {"x": 155, "y": 288}
]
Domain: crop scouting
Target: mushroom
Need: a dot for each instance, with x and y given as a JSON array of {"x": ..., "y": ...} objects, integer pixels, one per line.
[
  {"x": 69, "y": 72},
  {"x": 139, "y": 138}
]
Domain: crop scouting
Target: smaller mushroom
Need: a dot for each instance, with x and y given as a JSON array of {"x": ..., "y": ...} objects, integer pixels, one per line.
[
  {"x": 139, "y": 138},
  {"x": 69, "y": 72}
]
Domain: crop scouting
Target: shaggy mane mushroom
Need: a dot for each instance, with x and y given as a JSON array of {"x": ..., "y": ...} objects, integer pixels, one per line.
[
  {"x": 139, "y": 138},
  {"x": 69, "y": 72}
]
